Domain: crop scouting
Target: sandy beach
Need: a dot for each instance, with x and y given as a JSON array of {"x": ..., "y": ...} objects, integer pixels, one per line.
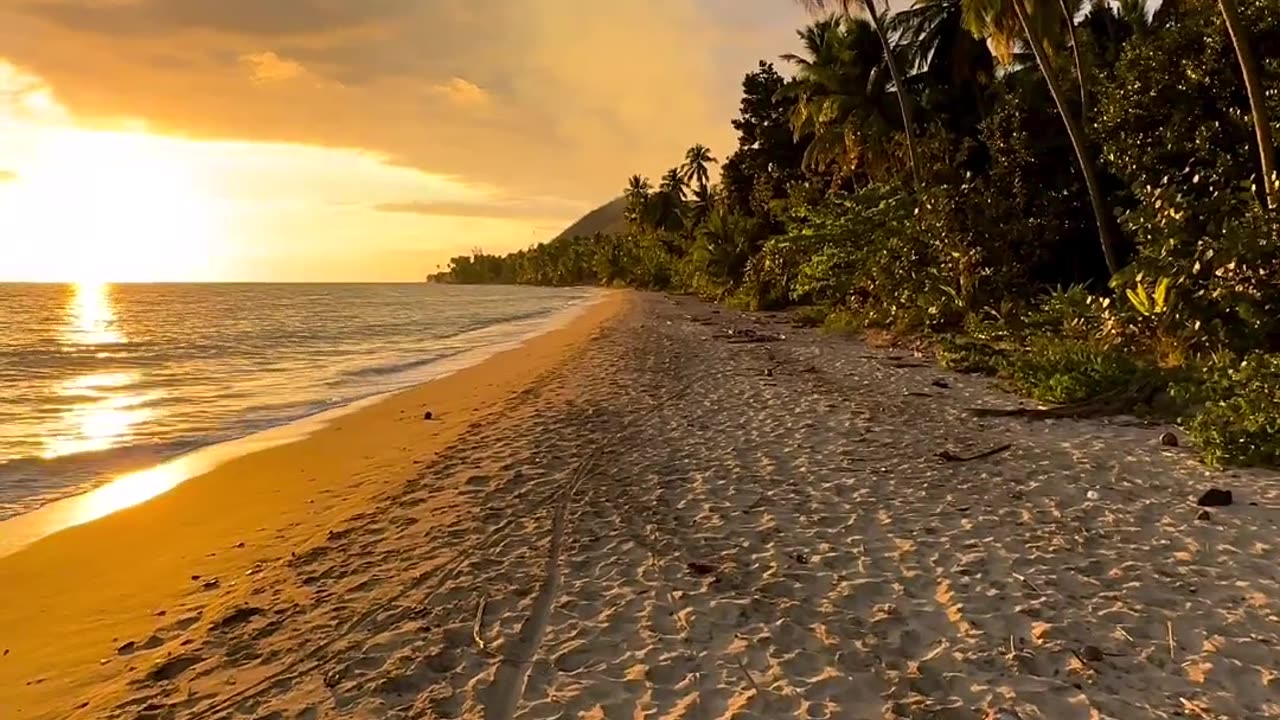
[{"x": 669, "y": 510}]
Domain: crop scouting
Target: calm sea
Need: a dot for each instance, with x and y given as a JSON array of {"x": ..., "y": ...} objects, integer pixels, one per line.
[{"x": 98, "y": 380}]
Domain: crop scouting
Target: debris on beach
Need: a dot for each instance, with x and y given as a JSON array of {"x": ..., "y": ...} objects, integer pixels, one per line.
[
  {"x": 948, "y": 456},
  {"x": 1215, "y": 497},
  {"x": 701, "y": 568},
  {"x": 238, "y": 616},
  {"x": 748, "y": 335}
]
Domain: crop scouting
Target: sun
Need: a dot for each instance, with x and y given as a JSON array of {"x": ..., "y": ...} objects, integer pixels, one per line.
[{"x": 93, "y": 206}]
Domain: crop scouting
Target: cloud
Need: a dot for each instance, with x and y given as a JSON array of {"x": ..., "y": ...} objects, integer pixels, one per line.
[
  {"x": 576, "y": 96},
  {"x": 267, "y": 67},
  {"x": 250, "y": 17},
  {"x": 462, "y": 92}
]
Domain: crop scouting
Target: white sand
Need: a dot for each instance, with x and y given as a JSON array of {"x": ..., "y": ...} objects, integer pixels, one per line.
[{"x": 660, "y": 529}]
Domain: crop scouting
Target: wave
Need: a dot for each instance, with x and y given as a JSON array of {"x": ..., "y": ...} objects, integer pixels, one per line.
[{"x": 389, "y": 368}]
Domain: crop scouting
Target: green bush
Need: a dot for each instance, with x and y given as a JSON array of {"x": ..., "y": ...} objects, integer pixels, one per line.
[
  {"x": 1064, "y": 370},
  {"x": 1239, "y": 420},
  {"x": 1219, "y": 254},
  {"x": 970, "y": 356}
]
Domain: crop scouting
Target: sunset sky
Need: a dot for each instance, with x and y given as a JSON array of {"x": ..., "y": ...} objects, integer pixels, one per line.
[{"x": 344, "y": 139}]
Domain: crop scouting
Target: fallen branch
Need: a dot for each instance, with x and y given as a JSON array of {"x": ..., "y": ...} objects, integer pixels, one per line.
[
  {"x": 949, "y": 456},
  {"x": 1114, "y": 402},
  {"x": 1029, "y": 583},
  {"x": 750, "y": 679},
  {"x": 475, "y": 629}
]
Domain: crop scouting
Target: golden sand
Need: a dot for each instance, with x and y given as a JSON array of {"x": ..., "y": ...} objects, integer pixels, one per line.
[{"x": 68, "y": 601}]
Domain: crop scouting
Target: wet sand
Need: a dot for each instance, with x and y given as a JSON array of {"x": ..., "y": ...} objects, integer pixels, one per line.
[{"x": 691, "y": 517}]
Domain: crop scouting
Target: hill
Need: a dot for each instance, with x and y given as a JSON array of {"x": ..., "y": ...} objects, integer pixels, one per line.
[{"x": 607, "y": 218}]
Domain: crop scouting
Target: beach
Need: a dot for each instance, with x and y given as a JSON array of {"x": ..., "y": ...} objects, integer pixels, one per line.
[{"x": 669, "y": 510}]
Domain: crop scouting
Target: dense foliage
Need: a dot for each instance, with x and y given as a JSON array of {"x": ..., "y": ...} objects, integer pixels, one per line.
[{"x": 1149, "y": 205}]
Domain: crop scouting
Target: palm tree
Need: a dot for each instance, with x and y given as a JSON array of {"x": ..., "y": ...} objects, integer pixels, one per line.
[
  {"x": 637, "y": 194},
  {"x": 904, "y": 103},
  {"x": 667, "y": 203},
  {"x": 1070, "y": 16},
  {"x": 697, "y": 162},
  {"x": 700, "y": 206},
  {"x": 840, "y": 98},
  {"x": 638, "y": 185},
  {"x": 1005, "y": 21},
  {"x": 952, "y": 66},
  {"x": 1257, "y": 97}
]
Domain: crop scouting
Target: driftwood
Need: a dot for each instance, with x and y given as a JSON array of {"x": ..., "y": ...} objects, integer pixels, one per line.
[
  {"x": 749, "y": 335},
  {"x": 949, "y": 456},
  {"x": 1115, "y": 402}
]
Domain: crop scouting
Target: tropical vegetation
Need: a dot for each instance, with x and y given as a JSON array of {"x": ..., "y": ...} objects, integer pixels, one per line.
[{"x": 1081, "y": 198}]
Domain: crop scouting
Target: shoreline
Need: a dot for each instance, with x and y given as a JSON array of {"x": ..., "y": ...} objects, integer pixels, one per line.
[
  {"x": 68, "y": 598},
  {"x": 136, "y": 486}
]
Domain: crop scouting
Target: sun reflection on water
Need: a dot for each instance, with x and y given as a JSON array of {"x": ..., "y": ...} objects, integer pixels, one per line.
[
  {"x": 91, "y": 316},
  {"x": 100, "y": 409}
]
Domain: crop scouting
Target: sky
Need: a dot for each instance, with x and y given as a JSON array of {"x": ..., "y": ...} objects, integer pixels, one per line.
[{"x": 196, "y": 140}]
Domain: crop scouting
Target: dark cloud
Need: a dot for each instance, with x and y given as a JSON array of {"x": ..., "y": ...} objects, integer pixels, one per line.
[{"x": 250, "y": 17}]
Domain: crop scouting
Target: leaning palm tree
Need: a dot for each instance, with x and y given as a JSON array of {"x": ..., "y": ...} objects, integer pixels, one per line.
[
  {"x": 904, "y": 102},
  {"x": 1257, "y": 98},
  {"x": 1069, "y": 14},
  {"x": 697, "y": 163},
  {"x": 1008, "y": 21}
]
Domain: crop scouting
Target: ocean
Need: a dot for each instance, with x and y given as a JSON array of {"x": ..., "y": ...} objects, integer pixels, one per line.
[{"x": 99, "y": 380}]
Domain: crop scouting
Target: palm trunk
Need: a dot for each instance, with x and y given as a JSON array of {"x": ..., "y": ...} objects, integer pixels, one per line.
[
  {"x": 1101, "y": 210},
  {"x": 1075, "y": 51},
  {"x": 1257, "y": 98},
  {"x": 903, "y": 101}
]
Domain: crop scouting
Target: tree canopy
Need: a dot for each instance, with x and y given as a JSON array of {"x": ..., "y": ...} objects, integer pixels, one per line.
[{"x": 1087, "y": 180}]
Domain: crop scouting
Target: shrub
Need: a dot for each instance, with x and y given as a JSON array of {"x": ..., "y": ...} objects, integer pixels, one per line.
[{"x": 1239, "y": 421}]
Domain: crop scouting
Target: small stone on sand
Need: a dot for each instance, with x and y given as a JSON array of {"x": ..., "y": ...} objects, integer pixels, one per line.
[
  {"x": 1169, "y": 440},
  {"x": 1215, "y": 497}
]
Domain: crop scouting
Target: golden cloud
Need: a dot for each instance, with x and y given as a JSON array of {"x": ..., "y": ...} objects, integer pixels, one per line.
[
  {"x": 462, "y": 92},
  {"x": 576, "y": 96},
  {"x": 268, "y": 67}
]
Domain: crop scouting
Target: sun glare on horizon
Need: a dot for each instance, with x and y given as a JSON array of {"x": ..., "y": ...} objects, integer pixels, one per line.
[
  {"x": 94, "y": 206},
  {"x": 88, "y": 205}
]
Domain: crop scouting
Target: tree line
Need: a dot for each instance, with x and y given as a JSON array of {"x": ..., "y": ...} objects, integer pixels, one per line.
[{"x": 1076, "y": 195}]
